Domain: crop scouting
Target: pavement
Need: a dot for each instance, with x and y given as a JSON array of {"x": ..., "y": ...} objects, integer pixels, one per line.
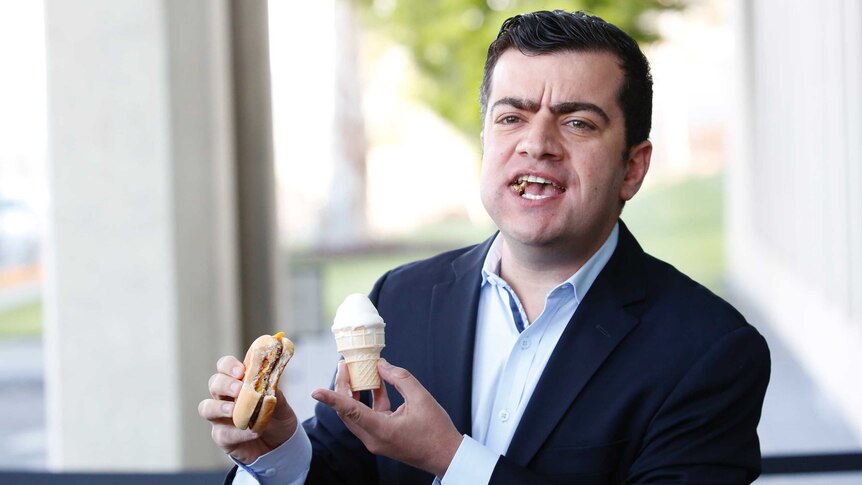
[{"x": 22, "y": 406}]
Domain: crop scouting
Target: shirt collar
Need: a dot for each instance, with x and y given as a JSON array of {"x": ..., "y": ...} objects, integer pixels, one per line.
[{"x": 580, "y": 282}]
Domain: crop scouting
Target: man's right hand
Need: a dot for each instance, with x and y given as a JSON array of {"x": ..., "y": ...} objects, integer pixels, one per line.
[{"x": 242, "y": 444}]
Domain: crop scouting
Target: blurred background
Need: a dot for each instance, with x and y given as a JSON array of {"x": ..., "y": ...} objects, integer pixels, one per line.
[{"x": 177, "y": 178}]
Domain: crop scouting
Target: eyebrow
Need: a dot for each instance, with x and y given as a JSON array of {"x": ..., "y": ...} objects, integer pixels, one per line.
[{"x": 557, "y": 109}]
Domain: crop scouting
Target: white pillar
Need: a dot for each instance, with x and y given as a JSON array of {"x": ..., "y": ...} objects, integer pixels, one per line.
[
  {"x": 794, "y": 209},
  {"x": 142, "y": 271}
]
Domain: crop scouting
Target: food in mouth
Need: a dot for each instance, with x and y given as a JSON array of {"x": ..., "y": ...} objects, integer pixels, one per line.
[{"x": 534, "y": 187}]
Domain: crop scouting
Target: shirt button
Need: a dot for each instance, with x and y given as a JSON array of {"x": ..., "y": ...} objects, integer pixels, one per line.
[
  {"x": 268, "y": 472},
  {"x": 503, "y": 415},
  {"x": 525, "y": 343}
]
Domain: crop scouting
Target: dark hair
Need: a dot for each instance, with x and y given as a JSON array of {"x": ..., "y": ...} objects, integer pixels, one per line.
[{"x": 546, "y": 32}]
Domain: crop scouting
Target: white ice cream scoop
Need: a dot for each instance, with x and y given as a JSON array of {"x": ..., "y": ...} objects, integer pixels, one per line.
[
  {"x": 358, "y": 331},
  {"x": 356, "y": 311}
]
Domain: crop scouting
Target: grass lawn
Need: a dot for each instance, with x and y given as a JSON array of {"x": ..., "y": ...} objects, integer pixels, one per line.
[
  {"x": 24, "y": 320},
  {"x": 356, "y": 275},
  {"x": 682, "y": 223}
]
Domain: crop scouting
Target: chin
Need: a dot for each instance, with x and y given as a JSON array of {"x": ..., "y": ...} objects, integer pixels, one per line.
[{"x": 531, "y": 238}]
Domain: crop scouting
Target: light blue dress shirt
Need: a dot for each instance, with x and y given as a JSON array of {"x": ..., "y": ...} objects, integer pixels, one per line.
[{"x": 507, "y": 364}]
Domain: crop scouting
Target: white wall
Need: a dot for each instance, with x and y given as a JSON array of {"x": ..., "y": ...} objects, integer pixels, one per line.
[{"x": 794, "y": 209}]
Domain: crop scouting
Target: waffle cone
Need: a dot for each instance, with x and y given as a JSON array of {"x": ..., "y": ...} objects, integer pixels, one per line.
[
  {"x": 361, "y": 348},
  {"x": 363, "y": 373}
]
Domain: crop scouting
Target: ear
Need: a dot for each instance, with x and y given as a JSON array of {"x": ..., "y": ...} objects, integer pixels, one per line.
[{"x": 637, "y": 165}]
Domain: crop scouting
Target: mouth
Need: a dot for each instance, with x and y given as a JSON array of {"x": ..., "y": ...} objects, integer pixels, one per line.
[{"x": 534, "y": 187}]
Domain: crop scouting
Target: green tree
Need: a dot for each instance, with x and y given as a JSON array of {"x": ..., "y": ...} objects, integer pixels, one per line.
[{"x": 448, "y": 40}]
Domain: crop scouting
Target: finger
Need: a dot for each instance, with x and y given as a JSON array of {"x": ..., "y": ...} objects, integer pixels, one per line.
[
  {"x": 342, "y": 381},
  {"x": 224, "y": 387},
  {"x": 380, "y": 398},
  {"x": 356, "y": 416},
  {"x": 212, "y": 409},
  {"x": 229, "y": 365},
  {"x": 402, "y": 380}
]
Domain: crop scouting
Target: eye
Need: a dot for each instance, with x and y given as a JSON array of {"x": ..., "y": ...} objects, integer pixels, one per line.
[
  {"x": 509, "y": 120},
  {"x": 580, "y": 125}
]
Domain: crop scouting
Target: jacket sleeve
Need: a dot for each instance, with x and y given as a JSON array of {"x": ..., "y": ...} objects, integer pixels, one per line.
[{"x": 706, "y": 430}]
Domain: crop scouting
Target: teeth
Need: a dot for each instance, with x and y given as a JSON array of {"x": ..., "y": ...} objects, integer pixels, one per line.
[
  {"x": 520, "y": 186},
  {"x": 533, "y": 178}
]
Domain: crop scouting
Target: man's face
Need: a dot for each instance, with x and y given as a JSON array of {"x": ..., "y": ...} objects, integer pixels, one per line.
[{"x": 554, "y": 170}]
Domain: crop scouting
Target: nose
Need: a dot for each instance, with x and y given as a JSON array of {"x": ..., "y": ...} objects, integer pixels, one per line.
[{"x": 541, "y": 141}]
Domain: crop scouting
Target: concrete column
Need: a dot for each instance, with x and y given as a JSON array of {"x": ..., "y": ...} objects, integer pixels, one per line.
[
  {"x": 255, "y": 169},
  {"x": 142, "y": 271}
]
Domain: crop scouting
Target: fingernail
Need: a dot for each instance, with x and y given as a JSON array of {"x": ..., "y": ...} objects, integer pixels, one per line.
[
  {"x": 227, "y": 408},
  {"x": 383, "y": 364},
  {"x": 234, "y": 388},
  {"x": 237, "y": 372},
  {"x": 317, "y": 396}
]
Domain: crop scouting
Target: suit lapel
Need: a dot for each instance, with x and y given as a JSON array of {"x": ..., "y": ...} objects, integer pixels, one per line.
[
  {"x": 597, "y": 327},
  {"x": 452, "y": 335}
]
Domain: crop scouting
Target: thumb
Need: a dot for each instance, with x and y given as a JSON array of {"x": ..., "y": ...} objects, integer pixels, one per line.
[
  {"x": 355, "y": 415},
  {"x": 402, "y": 380},
  {"x": 282, "y": 408},
  {"x": 283, "y": 424}
]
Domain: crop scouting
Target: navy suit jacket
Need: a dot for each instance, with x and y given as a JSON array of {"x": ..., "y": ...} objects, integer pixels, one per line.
[{"x": 654, "y": 380}]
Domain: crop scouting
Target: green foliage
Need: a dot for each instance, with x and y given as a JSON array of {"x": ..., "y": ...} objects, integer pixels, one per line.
[{"x": 449, "y": 40}]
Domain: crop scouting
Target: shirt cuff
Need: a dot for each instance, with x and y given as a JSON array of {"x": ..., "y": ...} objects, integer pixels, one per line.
[
  {"x": 472, "y": 463},
  {"x": 287, "y": 464}
]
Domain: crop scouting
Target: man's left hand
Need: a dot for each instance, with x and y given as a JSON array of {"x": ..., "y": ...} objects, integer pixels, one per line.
[{"x": 419, "y": 433}]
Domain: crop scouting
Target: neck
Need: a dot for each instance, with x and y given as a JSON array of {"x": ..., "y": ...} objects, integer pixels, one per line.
[{"x": 532, "y": 272}]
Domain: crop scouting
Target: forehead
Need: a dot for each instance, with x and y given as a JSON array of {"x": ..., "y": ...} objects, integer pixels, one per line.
[{"x": 586, "y": 76}]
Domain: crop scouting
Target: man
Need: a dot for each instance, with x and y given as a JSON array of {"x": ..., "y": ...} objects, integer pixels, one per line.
[{"x": 556, "y": 351}]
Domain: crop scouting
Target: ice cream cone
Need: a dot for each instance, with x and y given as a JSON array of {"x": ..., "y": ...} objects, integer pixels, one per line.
[{"x": 359, "y": 337}]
